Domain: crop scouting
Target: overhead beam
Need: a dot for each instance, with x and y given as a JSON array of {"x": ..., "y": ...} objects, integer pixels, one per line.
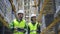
[
  {"x": 51, "y": 25},
  {"x": 41, "y": 11},
  {"x": 45, "y": 6},
  {"x": 13, "y": 7},
  {"x": 5, "y": 23}
]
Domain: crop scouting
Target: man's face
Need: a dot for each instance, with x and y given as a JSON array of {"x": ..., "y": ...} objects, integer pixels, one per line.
[
  {"x": 34, "y": 19},
  {"x": 20, "y": 15}
]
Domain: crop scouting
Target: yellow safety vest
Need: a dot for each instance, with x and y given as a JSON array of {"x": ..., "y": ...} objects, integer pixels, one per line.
[
  {"x": 19, "y": 25},
  {"x": 33, "y": 28}
]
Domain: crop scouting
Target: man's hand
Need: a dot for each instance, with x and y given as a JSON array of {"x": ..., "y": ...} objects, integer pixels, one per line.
[{"x": 15, "y": 29}]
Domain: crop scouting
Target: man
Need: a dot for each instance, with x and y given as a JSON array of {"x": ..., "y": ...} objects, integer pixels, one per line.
[
  {"x": 33, "y": 26},
  {"x": 18, "y": 26}
]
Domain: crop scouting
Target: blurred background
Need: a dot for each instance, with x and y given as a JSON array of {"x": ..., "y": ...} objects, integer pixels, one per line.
[{"x": 47, "y": 11}]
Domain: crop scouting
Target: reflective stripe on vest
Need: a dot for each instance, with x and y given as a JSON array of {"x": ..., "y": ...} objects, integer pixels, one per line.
[{"x": 33, "y": 28}]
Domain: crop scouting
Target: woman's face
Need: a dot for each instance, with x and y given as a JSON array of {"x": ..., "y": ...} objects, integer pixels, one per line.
[{"x": 34, "y": 19}]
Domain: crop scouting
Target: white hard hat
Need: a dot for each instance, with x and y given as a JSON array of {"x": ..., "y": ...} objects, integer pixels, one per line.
[
  {"x": 20, "y": 11},
  {"x": 33, "y": 15}
]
